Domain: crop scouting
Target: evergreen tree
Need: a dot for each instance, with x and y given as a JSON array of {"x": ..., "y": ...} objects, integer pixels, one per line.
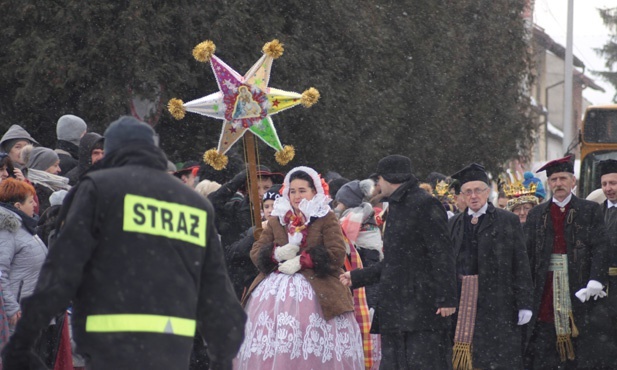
[
  {"x": 440, "y": 81},
  {"x": 609, "y": 50}
]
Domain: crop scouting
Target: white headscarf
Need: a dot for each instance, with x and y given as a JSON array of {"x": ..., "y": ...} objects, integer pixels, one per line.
[{"x": 316, "y": 207}]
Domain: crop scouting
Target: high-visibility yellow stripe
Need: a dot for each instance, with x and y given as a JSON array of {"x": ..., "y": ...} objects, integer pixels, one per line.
[{"x": 140, "y": 323}]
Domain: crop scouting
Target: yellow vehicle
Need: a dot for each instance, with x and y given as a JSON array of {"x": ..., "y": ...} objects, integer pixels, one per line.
[{"x": 598, "y": 142}]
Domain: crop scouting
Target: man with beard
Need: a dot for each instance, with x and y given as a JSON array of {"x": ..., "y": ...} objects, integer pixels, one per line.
[{"x": 567, "y": 248}]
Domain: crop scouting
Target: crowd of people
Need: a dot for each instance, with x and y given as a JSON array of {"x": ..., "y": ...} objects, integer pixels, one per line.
[{"x": 106, "y": 244}]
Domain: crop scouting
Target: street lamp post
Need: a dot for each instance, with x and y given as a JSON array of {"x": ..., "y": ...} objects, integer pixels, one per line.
[{"x": 546, "y": 117}]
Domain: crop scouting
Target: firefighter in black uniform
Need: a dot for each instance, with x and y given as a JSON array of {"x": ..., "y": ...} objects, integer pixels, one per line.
[{"x": 139, "y": 257}]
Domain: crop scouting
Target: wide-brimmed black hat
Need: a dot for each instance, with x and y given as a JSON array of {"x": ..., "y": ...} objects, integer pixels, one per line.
[{"x": 395, "y": 169}]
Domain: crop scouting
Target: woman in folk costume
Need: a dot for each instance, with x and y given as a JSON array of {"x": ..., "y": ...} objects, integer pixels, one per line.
[{"x": 299, "y": 315}]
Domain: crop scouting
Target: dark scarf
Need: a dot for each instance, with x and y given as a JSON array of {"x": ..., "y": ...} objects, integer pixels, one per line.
[
  {"x": 69, "y": 147},
  {"x": 29, "y": 223}
]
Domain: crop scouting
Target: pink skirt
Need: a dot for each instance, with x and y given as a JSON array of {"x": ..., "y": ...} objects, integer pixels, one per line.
[{"x": 286, "y": 330}]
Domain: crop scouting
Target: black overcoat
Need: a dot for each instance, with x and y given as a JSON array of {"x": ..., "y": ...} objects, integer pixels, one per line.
[
  {"x": 504, "y": 287},
  {"x": 417, "y": 274},
  {"x": 587, "y": 249}
]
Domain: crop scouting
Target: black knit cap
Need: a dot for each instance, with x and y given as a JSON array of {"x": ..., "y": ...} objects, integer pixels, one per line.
[
  {"x": 125, "y": 131},
  {"x": 273, "y": 193},
  {"x": 565, "y": 164},
  {"x": 607, "y": 166},
  {"x": 473, "y": 172},
  {"x": 395, "y": 169}
]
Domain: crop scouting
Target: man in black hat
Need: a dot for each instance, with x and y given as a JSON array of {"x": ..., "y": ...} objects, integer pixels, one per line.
[
  {"x": 494, "y": 278},
  {"x": 567, "y": 249},
  {"x": 417, "y": 291}
]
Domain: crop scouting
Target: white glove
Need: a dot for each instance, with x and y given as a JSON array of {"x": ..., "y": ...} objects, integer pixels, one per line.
[
  {"x": 593, "y": 289},
  {"x": 291, "y": 266},
  {"x": 524, "y": 316},
  {"x": 286, "y": 252},
  {"x": 582, "y": 295}
]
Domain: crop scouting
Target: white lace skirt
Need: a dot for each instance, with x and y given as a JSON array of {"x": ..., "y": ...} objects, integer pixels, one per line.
[{"x": 286, "y": 330}]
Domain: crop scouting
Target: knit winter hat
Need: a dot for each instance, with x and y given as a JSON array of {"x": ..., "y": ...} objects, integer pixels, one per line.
[
  {"x": 350, "y": 194},
  {"x": 13, "y": 135},
  {"x": 39, "y": 158},
  {"x": 70, "y": 128},
  {"x": 57, "y": 197},
  {"x": 273, "y": 193},
  {"x": 127, "y": 130}
]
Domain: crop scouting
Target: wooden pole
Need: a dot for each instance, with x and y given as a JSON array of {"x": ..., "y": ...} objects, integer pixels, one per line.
[{"x": 251, "y": 155}]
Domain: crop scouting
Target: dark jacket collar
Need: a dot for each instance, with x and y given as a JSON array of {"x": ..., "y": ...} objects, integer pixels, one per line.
[
  {"x": 85, "y": 150},
  {"x": 136, "y": 155},
  {"x": 29, "y": 223},
  {"x": 401, "y": 190},
  {"x": 575, "y": 202},
  {"x": 69, "y": 147}
]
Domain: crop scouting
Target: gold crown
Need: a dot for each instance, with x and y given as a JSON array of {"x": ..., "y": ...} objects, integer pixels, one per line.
[
  {"x": 514, "y": 188},
  {"x": 442, "y": 191}
]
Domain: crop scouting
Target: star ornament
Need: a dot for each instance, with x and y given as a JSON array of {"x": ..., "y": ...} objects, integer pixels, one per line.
[{"x": 243, "y": 103}]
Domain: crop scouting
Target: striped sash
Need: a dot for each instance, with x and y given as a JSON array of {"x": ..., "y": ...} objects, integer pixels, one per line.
[
  {"x": 465, "y": 324},
  {"x": 562, "y": 306}
]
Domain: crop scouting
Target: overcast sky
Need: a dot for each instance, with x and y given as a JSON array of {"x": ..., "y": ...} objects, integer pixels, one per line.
[{"x": 589, "y": 33}]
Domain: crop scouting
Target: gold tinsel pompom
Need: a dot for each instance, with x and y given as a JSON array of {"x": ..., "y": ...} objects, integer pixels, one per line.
[
  {"x": 273, "y": 49},
  {"x": 310, "y": 97},
  {"x": 215, "y": 159},
  {"x": 285, "y": 155},
  {"x": 176, "y": 108},
  {"x": 204, "y": 51}
]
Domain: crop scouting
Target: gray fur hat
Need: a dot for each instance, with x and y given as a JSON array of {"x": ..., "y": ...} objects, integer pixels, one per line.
[
  {"x": 395, "y": 169},
  {"x": 70, "y": 128}
]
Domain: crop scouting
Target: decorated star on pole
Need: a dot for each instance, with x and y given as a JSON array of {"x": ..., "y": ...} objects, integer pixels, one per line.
[{"x": 243, "y": 103}]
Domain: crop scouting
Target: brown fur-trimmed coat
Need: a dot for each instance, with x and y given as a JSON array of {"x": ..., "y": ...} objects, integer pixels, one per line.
[{"x": 326, "y": 246}]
